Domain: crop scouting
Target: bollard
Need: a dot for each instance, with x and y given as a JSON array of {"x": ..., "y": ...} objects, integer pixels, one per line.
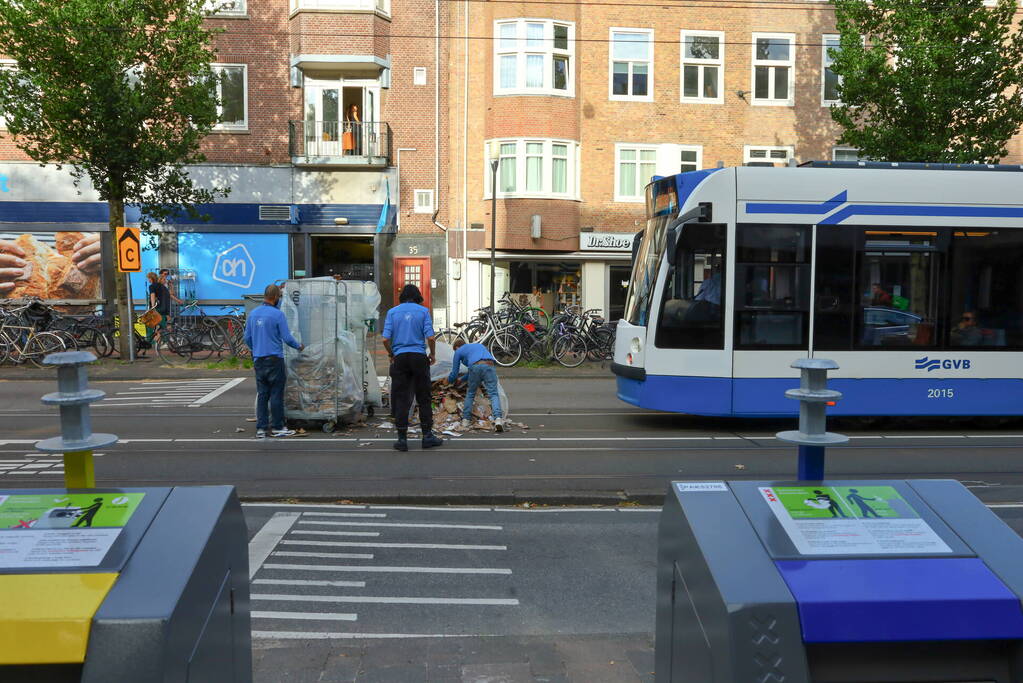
[
  {"x": 814, "y": 397},
  {"x": 77, "y": 440}
]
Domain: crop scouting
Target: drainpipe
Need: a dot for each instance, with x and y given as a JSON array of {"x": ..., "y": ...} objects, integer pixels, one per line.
[{"x": 465, "y": 165}]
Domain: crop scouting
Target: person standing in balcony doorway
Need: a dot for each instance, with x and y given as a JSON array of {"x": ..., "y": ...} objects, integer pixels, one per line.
[
  {"x": 408, "y": 330},
  {"x": 353, "y": 125}
]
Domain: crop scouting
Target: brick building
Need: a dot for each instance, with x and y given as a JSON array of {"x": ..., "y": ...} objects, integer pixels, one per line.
[
  {"x": 584, "y": 102},
  {"x": 330, "y": 136}
]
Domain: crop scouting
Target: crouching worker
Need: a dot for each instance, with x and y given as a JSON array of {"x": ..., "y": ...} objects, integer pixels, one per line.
[
  {"x": 482, "y": 370},
  {"x": 407, "y": 332}
]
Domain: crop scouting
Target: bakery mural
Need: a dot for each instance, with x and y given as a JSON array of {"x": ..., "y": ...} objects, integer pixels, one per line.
[{"x": 50, "y": 265}]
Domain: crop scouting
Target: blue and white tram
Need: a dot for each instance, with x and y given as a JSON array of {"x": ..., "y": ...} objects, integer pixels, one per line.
[{"x": 909, "y": 276}]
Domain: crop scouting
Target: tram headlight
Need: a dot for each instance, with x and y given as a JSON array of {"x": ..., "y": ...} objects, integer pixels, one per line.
[{"x": 636, "y": 345}]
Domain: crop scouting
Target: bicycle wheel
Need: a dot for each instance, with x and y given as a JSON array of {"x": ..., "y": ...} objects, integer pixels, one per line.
[
  {"x": 70, "y": 341},
  {"x": 570, "y": 350},
  {"x": 97, "y": 340},
  {"x": 447, "y": 336},
  {"x": 506, "y": 349},
  {"x": 5, "y": 347},
  {"x": 173, "y": 347},
  {"x": 213, "y": 332},
  {"x": 41, "y": 345},
  {"x": 602, "y": 342},
  {"x": 473, "y": 332}
]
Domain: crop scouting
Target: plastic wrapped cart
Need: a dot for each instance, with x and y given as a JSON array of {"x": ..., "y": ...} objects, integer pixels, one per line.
[{"x": 326, "y": 382}]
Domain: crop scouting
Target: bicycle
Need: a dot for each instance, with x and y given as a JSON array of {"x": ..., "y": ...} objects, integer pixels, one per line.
[{"x": 23, "y": 342}]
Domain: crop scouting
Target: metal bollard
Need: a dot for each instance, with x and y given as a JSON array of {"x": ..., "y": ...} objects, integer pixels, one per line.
[
  {"x": 813, "y": 395},
  {"x": 77, "y": 440}
]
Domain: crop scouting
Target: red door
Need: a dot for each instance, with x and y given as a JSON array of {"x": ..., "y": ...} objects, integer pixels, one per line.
[{"x": 412, "y": 271}]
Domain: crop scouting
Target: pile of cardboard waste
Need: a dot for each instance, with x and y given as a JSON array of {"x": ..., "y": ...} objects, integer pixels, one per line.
[{"x": 448, "y": 403}]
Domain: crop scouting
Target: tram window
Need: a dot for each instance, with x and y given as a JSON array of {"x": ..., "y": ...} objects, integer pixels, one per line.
[
  {"x": 836, "y": 284},
  {"x": 694, "y": 290},
  {"x": 772, "y": 287},
  {"x": 985, "y": 299},
  {"x": 898, "y": 282}
]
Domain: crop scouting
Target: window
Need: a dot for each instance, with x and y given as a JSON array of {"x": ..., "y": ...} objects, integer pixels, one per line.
[
  {"x": 754, "y": 155},
  {"x": 772, "y": 286},
  {"x": 419, "y": 75},
  {"x": 632, "y": 64},
  {"x": 534, "y": 168},
  {"x": 382, "y": 6},
  {"x": 232, "y": 96},
  {"x": 986, "y": 297},
  {"x": 829, "y": 79},
  {"x": 661, "y": 205},
  {"x": 694, "y": 289},
  {"x": 423, "y": 201},
  {"x": 6, "y": 65},
  {"x": 634, "y": 167},
  {"x": 703, "y": 59},
  {"x": 534, "y": 56},
  {"x": 774, "y": 67},
  {"x": 222, "y": 8},
  {"x": 846, "y": 154},
  {"x": 690, "y": 158}
]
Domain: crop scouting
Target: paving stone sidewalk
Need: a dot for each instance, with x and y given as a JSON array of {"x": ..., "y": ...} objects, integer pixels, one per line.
[{"x": 626, "y": 658}]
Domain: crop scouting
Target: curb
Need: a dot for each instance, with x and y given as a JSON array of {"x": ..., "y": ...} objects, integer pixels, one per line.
[{"x": 540, "y": 499}]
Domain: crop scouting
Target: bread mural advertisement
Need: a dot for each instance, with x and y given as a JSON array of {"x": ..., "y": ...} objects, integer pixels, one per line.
[{"x": 50, "y": 265}]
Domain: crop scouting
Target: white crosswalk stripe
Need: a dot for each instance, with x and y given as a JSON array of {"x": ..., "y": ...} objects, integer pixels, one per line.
[
  {"x": 192, "y": 393},
  {"x": 42, "y": 465}
]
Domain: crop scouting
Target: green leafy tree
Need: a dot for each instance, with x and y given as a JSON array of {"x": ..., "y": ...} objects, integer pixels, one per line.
[
  {"x": 928, "y": 80},
  {"x": 120, "y": 91}
]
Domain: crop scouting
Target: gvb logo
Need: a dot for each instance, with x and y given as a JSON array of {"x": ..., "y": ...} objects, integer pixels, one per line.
[{"x": 932, "y": 364}]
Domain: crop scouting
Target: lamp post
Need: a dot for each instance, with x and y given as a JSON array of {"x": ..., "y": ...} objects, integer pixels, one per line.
[{"x": 494, "y": 163}]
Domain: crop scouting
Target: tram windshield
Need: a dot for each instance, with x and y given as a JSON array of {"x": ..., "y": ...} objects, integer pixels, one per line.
[{"x": 662, "y": 206}]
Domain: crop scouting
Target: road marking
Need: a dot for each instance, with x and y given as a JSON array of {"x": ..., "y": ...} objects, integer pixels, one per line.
[
  {"x": 213, "y": 394},
  {"x": 382, "y": 600},
  {"x": 423, "y": 546},
  {"x": 325, "y": 556},
  {"x": 410, "y": 525},
  {"x": 1005, "y": 505},
  {"x": 338, "y": 533},
  {"x": 344, "y": 514},
  {"x": 301, "y": 582},
  {"x": 427, "y": 508},
  {"x": 350, "y": 506},
  {"x": 389, "y": 570},
  {"x": 311, "y": 635},
  {"x": 263, "y": 543},
  {"x": 311, "y": 616}
]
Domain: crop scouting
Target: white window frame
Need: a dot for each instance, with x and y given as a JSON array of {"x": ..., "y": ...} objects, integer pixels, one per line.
[
  {"x": 379, "y": 6},
  {"x": 546, "y": 169},
  {"x": 244, "y": 125},
  {"x": 790, "y": 63},
  {"x": 649, "y": 61},
  {"x": 825, "y": 63},
  {"x": 521, "y": 50},
  {"x": 748, "y": 149},
  {"x": 419, "y": 75},
  {"x": 690, "y": 148},
  {"x": 667, "y": 161},
  {"x": 836, "y": 150},
  {"x": 702, "y": 63},
  {"x": 13, "y": 66},
  {"x": 416, "y": 207},
  {"x": 231, "y": 8}
]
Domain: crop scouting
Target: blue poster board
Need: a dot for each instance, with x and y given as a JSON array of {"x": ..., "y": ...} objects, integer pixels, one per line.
[{"x": 228, "y": 265}]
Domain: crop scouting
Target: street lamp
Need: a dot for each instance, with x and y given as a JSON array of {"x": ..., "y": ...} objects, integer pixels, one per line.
[{"x": 495, "y": 161}]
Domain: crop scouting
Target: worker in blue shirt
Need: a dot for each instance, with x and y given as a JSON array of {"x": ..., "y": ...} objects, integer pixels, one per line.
[
  {"x": 266, "y": 332},
  {"x": 408, "y": 330},
  {"x": 481, "y": 366}
]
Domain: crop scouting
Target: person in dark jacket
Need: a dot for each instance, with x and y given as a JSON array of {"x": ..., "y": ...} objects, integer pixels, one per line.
[
  {"x": 266, "y": 332},
  {"x": 159, "y": 298},
  {"x": 408, "y": 330}
]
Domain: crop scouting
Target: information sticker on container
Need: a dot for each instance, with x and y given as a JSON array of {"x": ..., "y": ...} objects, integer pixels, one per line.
[
  {"x": 62, "y": 530},
  {"x": 851, "y": 520},
  {"x": 696, "y": 486}
]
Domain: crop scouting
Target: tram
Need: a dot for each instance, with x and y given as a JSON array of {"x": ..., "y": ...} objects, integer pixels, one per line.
[{"x": 909, "y": 276}]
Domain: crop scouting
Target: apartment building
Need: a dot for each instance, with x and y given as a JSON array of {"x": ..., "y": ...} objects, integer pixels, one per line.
[
  {"x": 581, "y": 103},
  {"x": 330, "y": 138}
]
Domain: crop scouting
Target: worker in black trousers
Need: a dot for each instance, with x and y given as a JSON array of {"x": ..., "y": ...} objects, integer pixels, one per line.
[{"x": 408, "y": 330}]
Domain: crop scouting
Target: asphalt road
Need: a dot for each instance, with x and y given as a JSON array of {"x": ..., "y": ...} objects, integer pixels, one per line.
[{"x": 582, "y": 445}]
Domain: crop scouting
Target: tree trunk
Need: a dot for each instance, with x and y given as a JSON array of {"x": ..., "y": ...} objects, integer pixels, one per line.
[{"x": 124, "y": 307}]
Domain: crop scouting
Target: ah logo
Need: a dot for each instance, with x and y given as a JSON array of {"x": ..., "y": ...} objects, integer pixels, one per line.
[
  {"x": 235, "y": 267},
  {"x": 3, "y": 184},
  {"x": 932, "y": 364}
]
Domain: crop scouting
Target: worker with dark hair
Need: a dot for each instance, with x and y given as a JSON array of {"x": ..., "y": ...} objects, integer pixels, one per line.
[
  {"x": 408, "y": 330},
  {"x": 266, "y": 332}
]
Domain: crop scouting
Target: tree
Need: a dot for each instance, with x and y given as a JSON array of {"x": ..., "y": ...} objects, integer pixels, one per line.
[
  {"x": 121, "y": 91},
  {"x": 928, "y": 80}
]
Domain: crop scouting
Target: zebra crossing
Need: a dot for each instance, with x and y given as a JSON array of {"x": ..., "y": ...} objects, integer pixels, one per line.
[
  {"x": 35, "y": 465},
  {"x": 192, "y": 393},
  {"x": 356, "y": 574}
]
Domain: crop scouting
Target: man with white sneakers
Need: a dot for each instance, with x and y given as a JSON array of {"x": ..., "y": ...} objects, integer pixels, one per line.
[
  {"x": 266, "y": 332},
  {"x": 482, "y": 370}
]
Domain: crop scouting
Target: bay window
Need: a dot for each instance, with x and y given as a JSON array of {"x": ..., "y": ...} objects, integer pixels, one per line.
[
  {"x": 534, "y": 167},
  {"x": 534, "y": 56}
]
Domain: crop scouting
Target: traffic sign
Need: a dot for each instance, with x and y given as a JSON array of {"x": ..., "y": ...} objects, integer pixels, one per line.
[{"x": 129, "y": 250}]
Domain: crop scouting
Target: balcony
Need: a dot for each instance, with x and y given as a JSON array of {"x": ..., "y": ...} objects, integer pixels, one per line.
[{"x": 340, "y": 144}]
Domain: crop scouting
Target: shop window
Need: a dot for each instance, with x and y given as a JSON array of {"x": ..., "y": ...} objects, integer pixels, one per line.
[
  {"x": 549, "y": 285},
  {"x": 694, "y": 289},
  {"x": 772, "y": 286}
]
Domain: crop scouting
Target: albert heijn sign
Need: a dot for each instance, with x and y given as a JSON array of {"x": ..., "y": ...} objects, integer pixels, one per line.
[{"x": 605, "y": 241}]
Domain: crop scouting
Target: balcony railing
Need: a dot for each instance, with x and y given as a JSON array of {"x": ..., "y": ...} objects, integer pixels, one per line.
[{"x": 339, "y": 143}]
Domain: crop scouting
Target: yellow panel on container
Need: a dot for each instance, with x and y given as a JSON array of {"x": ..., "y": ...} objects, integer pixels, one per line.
[{"x": 45, "y": 618}]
